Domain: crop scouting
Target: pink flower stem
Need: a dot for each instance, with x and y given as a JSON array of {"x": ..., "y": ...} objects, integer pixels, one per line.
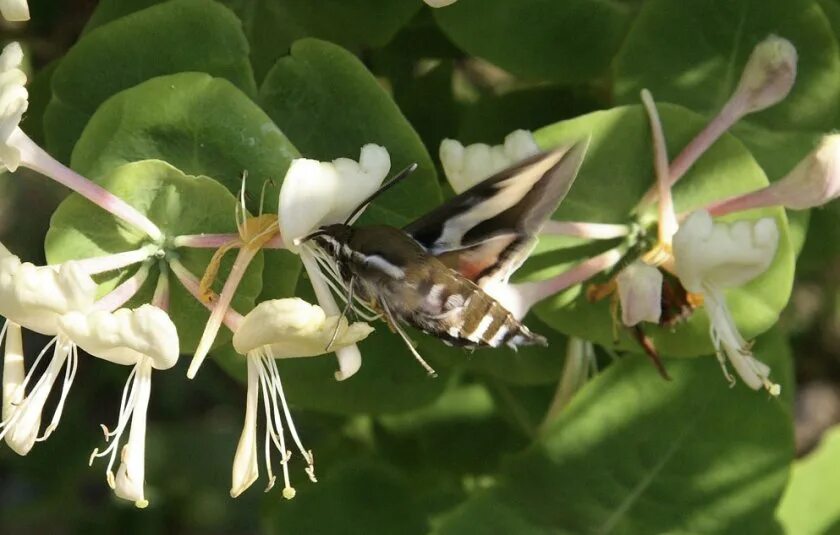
[
  {"x": 760, "y": 198},
  {"x": 160, "y": 298},
  {"x": 214, "y": 241},
  {"x": 125, "y": 291},
  {"x": 534, "y": 292},
  {"x": 190, "y": 282},
  {"x": 731, "y": 112},
  {"x": 103, "y": 264},
  {"x": 592, "y": 231},
  {"x": 37, "y": 159},
  {"x": 668, "y": 225}
]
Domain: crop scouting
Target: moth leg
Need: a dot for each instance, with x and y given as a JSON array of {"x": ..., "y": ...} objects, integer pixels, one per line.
[
  {"x": 392, "y": 323},
  {"x": 347, "y": 307}
]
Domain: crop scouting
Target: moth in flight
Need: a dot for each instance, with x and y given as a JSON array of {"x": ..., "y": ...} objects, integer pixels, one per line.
[{"x": 434, "y": 273}]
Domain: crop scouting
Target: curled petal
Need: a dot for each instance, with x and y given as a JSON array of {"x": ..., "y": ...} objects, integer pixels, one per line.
[
  {"x": 35, "y": 296},
  {"x": 294, "y": 328},
  {"x": 723, "y": 255},
  {"x": 246, "y": 462},
  {"x": 320, "y": 193},
  {"x": 640, "y": 293},
  {"x": 125, "y": 336},
  {"x": 467, "y": 166}
]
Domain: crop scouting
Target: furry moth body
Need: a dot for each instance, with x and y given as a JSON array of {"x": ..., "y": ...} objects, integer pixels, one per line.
[{"x": 432, "y": 274}]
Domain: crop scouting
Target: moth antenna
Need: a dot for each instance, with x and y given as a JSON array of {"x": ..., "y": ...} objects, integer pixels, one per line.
[
  {"x": 398, "y": 329},
  {"x": 382, "y": 189}
]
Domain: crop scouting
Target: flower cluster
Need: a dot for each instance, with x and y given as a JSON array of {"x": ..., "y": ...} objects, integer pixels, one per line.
[{"x": 707, "y": 256}]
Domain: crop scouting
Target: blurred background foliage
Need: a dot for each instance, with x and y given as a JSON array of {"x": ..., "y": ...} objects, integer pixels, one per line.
[{"x": 470, "y": 452}]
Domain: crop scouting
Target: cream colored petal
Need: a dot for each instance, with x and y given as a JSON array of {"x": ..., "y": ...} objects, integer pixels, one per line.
[
  {"x": 125, "y": 336},
  {"x": 467, "y": 166},
  {"x": 723, "y": 255},
  {"x": 640, "y": 293},
  {"x": 294, "y": 328},
  {"x": 35, "y": 296}
]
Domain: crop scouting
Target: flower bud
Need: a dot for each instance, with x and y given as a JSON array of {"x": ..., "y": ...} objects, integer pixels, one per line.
[
  {"x": 814, "y": 181},
  {"x": 768, "y": 76},
  {"x": 640, "y": 293}
]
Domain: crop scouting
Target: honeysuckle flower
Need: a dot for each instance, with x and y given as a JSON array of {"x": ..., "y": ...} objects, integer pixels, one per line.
[
  {"x": 17, "y": 149},
  {"x": 766, "y": 80},
  {"x": 467, "y": 166},
  {"x": 281, "y": 328},
  {"x": 35, "y": 297},
  {"x": 640, "y": 293},
  {"x": 314, "y": 194},
  {"x": 14, "y": 10},
  {"x": 144, "y": 338},
  {"x": 813, "y": 182},
  {"x": 711, "y": 257}
]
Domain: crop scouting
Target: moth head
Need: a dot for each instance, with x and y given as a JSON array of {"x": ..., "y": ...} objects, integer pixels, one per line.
[{"x": 330, "y": 238}]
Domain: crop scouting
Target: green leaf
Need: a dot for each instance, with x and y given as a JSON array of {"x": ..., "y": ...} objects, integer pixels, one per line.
[
  {"x": 494, "y": 116},
  {"x": 329, "y": 105},
  {"x": 271, "y": 26},
  {"x": 617, "y": 171},
  {"x": 180, "y": 35},
  {"x": 702, "y": 47},
  {"x": 167, "y": 118},
  {"x": 809, "y": 505},
  {"x": 359, "y": 496},
  {"x": 569, "y": 41},
  {"x": 79, "y": 229},
  {"x": 633, "y": 453}
]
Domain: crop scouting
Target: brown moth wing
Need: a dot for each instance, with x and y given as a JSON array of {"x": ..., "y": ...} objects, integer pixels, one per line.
[{"x": 486, "y": 232}]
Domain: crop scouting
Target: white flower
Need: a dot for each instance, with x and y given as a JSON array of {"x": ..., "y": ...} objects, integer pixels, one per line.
[
  {"x": 315, "y": 194},
  {"x": 467, "y": 166},
  {"x": 14, "y": 10},
  {"x": 768, "y": 76},
  {"x": 144, "y": 338},
  {"x": 36, "y": 297},
  {"x": 712, "y": 257},
  {"x": 14, "y": 100},
  {"x": 640, "y": 293},
  {"x": 282, "y": 328}
]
